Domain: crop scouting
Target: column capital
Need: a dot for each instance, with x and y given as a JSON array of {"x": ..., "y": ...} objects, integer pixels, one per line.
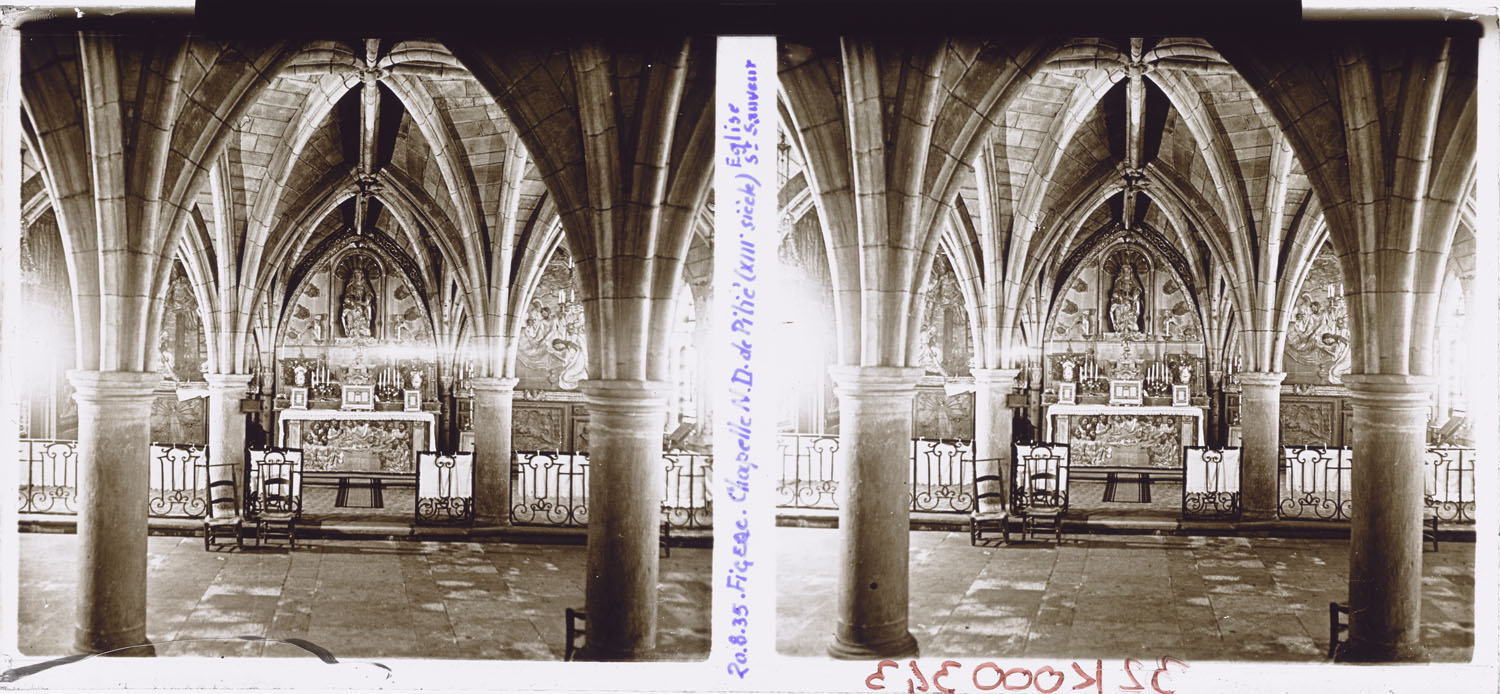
[
  {"x": 625, "y": 395},
  {"x": 1262, "y": 379},
  {"x": 1390, "y": 391},
  {"x": 1005, "y": 378},
  {"x": 490, "y": 384},
  {"x": 874, "y": 380},
  {"x": 228, "y": 382},
  {"x": 121, "y": 387}
]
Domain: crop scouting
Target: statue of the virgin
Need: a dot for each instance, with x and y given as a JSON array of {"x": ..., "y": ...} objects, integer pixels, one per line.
[
  {"x": 357, "y": 311},
  {"x": 1125, "y": 301}
]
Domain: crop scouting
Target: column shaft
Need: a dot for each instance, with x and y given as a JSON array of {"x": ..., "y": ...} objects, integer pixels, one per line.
[
  {"x": 874, "y": 461},
  {"x": 992, "y": 423},
  {"x": 114, "y": 436},
  {"x": 1260, "y": 422},
  {"x": 493, "y": 398},
  {"x": 226, "y": 431},
  {"x": 625, "y": 490},
  {"x": 1385, "y": 530}
]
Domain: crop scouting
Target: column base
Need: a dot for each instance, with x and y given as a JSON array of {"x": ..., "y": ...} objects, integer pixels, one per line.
[
  {"x": 1258, "y": 516},
  {"x": 904, "y": 645},
  {"x": 1355, "y": 651}
]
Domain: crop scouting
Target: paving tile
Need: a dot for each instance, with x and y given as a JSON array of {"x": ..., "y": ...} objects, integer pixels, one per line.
[
  {"x": 1204, "y": 598},
  {"x": 367, "y": 599}
]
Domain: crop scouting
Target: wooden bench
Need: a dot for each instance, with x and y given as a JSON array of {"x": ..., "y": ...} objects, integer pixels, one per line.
[{"x": 345, "y": 480}]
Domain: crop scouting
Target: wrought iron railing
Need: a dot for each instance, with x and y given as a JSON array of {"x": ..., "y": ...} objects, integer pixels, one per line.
[
  {"x": 942, "y": 474},
  {"x": 1448, "y": 483},
  {"x": 1315, "y": 483},
  {"x": 687, "y": 500},
  {"x": 49, "y": 476},
  {"x": 177, "y": 488},
  {"x": 807, "y": 471},
  {"x": 445, "y": 487},
  {"x": 1211, "y": 482},
  {"x": 551, "y": 488},
  {"x": 179, "y": 481}
]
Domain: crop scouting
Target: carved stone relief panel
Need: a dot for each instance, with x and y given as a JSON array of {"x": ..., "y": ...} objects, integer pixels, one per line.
[
  {"x": 374, "y": 446},
  {"x": 538, "y": 428},
  {"x": 1129, "y": 440},
  {"x": 580, "y": 432},
  {"x": 1308, "y": 422},
  {"x": 179, "y": 421},
  {"x": 940, "y": 416},
  {"x": 1076, "y": 317}
]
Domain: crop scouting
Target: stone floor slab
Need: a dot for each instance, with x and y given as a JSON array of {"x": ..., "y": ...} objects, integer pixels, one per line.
[
  {"x": 1219, "y": 598},
  {"x": 357, "y": 598}
]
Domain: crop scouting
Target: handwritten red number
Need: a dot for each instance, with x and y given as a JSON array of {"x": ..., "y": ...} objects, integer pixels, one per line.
[
  {"x": 914, "y": 688},
  {"x": 1155, "y": 684},
  {"x": 1097, "y": 681},
  {"x": 1047, "y": 670},
  {"x": 879, "y": 675},
  {"x": 1000, "y": 677},
  {"x": 1135, "y": 684},
  {"x": 1006, "y": 676},
  {"x": 937, "y": 678}
]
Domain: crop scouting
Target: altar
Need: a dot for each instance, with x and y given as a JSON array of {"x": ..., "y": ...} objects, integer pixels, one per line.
[
  {"x": 1134, "y": 436},
  {"x": 357, "y": 441}
]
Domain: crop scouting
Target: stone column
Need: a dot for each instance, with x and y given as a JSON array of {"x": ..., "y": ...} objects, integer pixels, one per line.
[
  {"x": 625, "y": 487},
  {"x": 874, "y": 461},
  {"x": 226, "y": 430},
  {"x": 492, "y": 427},
  {"x": 1385, "y": 530},
  {"x": 992, "y": 424},
  {"x": 1260, "y": 431},
  {"x": 114, "y": 437}
]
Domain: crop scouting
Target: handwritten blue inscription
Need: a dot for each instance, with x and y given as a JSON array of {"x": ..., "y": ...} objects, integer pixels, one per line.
[{"x": 739, "y": 132}]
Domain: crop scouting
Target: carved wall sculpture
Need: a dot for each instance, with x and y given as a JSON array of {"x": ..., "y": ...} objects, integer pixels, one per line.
[
  {"x": 179, "y": 421},
  {"x": 357, "y": 295},
  {"x": 1127, "y": 303},
  {"x": 1308, "y": 423},
  {"x": 538, "y": 428},
  {"x": 1121, "y": 307},
  {"x": 181, "y": 346},
  {"x": 1317, "y": 335},
  {"x": 357, "y": 317},
  {"x": 946, "y": 343},
  {"x": 383, "y": 446},
  {"x": 941, "y": 416},
  {"x": 1127, "y": 440},
  {"x": 552, "y": 354}
]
